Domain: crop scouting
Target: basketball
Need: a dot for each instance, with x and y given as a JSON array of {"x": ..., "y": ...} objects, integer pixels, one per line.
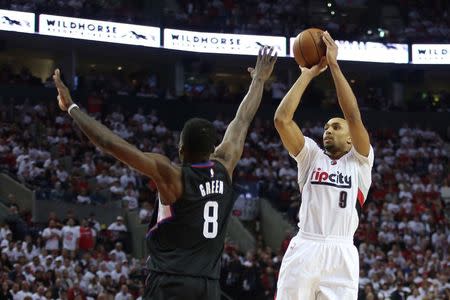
[{"x": 309, "y": 48}]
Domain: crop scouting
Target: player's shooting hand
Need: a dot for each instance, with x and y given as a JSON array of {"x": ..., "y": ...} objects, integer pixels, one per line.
[
  {"x": 332, "y": 48},
  {"x": 64, "y": 98},
  {"x": 316, "y": 69},
  {"x": 264, "y": 63}
]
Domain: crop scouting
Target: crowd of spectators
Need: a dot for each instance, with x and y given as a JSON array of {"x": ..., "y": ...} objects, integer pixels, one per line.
[
  {"x": 200, "y": 87},
  {"x": 419, "y": 20},
  {"x": 68, "y": 259},
  {"x": 403, "y": 236},
  {"x": 140, "y": 84},
  {"x": 44, "y": 150},
  {"x": 423, "y": 21},
  {"x": 430, "y": 101},
  {"x": 23, "y": 77}
]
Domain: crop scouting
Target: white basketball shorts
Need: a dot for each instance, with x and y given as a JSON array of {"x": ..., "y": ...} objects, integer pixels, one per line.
[{"x": 316, "y": 268}]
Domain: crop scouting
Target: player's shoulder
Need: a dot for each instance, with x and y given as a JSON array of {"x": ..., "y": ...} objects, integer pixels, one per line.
[
  {"x": 360, "y": 158},
  {"x": 308, "y": 153},
  {"x": 310, "y": 146},
  {"x": 310, "y": 141}
]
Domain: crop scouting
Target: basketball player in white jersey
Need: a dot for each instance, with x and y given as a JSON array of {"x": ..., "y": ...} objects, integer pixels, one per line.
[{"x": 321, "y": 261}]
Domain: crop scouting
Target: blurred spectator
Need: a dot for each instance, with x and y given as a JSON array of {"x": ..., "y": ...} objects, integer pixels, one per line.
[
  {"x": 118, "y": 253},
  {"x": 146, "y": 212},
  {"x": 52, "y": 235},
  {"x": 87, "y": 237},
  {"x": 83, "y": 197},
  {"x": 123, "y": 294},
  {"x": 130, "y": 199},
  {"x": 93, "y": 223},
  {"x": 75, "y": 293},
  {"x": 70, "y": 236},
  {"x": 15, "y": 222},
  {"x": 118, "y": 225}
]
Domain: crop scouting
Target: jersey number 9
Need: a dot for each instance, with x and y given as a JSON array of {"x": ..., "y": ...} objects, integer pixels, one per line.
[{"x": 343, "y": 199}]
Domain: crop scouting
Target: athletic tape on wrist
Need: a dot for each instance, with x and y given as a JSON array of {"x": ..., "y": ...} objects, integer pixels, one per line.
[{"x": 72, "y": 106}]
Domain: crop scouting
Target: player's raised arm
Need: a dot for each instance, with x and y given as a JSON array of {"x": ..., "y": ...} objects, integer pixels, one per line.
[
  {"x": 157, "y": 167},
  {"x": 230, "y": 149},
  {"x": 290, "y": 133},
  {"x": 347, "y": 100}
]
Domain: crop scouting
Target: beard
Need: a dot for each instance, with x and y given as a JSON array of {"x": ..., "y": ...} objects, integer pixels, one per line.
[{"x": 330, "y": 147}]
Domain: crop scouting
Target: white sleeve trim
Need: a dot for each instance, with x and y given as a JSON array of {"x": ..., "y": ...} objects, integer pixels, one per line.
[
  {"x": 363, "y": 159},
  {"x": 304, "y": 160},
  {"x": 309, "y": 145}
]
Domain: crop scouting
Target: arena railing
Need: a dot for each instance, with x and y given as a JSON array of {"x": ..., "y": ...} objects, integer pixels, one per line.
[
  {"x": 24, "y": 197},
  {"x": 274, "y": 225}
]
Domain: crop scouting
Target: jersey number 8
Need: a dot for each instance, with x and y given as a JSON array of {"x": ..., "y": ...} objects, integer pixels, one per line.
[{"x": 210, "y": 214}]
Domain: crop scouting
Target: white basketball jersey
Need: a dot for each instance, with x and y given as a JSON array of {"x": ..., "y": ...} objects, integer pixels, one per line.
[{"x": 333, "y": 190}]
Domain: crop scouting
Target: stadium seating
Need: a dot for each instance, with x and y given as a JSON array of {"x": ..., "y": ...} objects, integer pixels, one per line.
[{"x": 402, "y": 238}]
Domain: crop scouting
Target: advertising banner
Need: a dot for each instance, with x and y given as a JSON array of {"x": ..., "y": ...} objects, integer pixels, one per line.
[
  {"x": 369, "y": 52},
  {"x": 103, "y": 31},
  {"x": 208, "y": 42},
  {"x": 11, "y": 20},
  {"x": 434, "y": 54}
]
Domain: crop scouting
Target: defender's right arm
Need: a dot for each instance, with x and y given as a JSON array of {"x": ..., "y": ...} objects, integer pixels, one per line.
[
  {"x": 290, "y": 133},
  {"x": 158, "y": 167}
]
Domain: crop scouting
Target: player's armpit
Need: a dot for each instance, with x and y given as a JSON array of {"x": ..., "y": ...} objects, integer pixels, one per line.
[
  {"x": 166, "y": 176},
  {"x": 291, "y": 135}
]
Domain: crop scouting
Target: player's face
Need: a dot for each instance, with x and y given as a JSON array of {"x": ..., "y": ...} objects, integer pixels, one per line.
[{"x": 336, "y": 136}]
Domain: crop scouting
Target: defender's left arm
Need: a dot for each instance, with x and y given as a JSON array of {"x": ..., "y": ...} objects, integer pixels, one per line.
[
  {"x": 347, "y": 100},
  {"x": 229, "y": 151}
]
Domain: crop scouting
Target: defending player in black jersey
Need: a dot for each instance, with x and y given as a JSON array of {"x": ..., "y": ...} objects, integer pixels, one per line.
[{"x": 187, "y": 232}]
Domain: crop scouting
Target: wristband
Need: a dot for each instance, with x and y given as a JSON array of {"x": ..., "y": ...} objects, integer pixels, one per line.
[{"x": 72, "y": 106}]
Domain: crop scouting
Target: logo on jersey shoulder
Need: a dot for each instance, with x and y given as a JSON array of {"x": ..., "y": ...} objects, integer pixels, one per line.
[{"x": 333, "y": 179}]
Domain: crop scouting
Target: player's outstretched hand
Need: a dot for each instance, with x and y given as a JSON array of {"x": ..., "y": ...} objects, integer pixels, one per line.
[
  {"x": 264, "y": 63},
  {"x": 332, "y": 48},
  {"x": 64, "y": 98},
  {"x": 316, "y": 69}
]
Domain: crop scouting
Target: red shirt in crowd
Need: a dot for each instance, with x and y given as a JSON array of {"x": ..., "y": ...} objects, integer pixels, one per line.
[
  {"x": 86, "y": 241},
  {"x": 75, "y": 293}
]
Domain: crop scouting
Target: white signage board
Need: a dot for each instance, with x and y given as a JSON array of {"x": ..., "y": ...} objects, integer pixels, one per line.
[
  {"x": 369, "y": 52},
  {"x": 435, "y": 54},
  {"x": 103, "y": 31},
  {"x": 11, "y": 20},
  {"x": 208, "y": 42}
]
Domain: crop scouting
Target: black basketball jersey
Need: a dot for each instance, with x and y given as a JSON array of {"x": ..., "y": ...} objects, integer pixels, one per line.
[{"x": 187, "y": 237}]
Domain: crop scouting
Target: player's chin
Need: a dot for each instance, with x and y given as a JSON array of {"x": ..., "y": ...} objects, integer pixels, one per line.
[{"x": 328, "y": 145}]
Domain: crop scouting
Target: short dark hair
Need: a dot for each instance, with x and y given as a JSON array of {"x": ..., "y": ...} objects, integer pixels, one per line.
[{"x": 199, "y": 136}]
